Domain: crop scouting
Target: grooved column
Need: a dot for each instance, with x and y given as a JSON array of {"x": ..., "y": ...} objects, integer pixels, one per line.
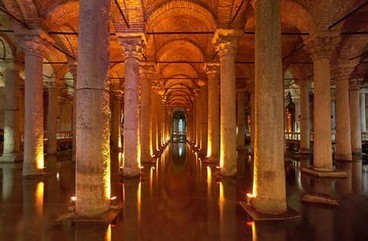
[
  {"x": 52, "y": 113},
  {"x": 92, "y": 110},
  {"x": 362, "y": 112},
  {"x": 226, "y": 43},
  {"x": 213, "y": 140},
  {"x": 304, "y": 117},
  {"x": 73, "y": 68},
  {"x": 147, "y": 73},
  {"x": 321, "y": 47},
  {"x": 269, "y": 175},
  {"x": 11, "y": 151},
  {"x": 241, "y": 120},
  {"x": 116, "y": 98},
  {"x": 204, "y": 118},
  {"x": 35, "y": 43},
  {"x": 343, "y": 142},
  {"x": 356, "y": 138},
  {"x": 133, "y": 48}
]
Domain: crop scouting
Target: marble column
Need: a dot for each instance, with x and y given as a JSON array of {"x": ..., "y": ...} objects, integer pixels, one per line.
[
  {"x": 12, "y": 150},
  {"x": 154, "y": 127},
  {"x": 241, "y": 120},
  {"x": 73, "y": 68},
  {"x": 133, "y": 47},
  {"x": 269, "y": 189},
  {"x": 304, "y": 117},
  {"x": 204, "y": 118},
  {"x": 226, "y": 43},
  {"x": 252, "y": 115},
  {"x": 52, "y": 114},
  {"x": 213, "y": 139},
  {"x": 35, "y": 43},
  {"x": 363, "y": 112},
  {"x": 146, "y": 75},
  {"x": 116, "y": 98},
  {"x": 343, "y": 142},
  {"x": 356, "y": 138},
  {"x": 321, "y": 47},
  {"x": 92, "y": 108}
]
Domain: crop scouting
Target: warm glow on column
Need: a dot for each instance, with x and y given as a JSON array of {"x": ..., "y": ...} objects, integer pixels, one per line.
[
  {"x": 40, "y": 163},
  {"x": 108, "y": 233},
  {"x": 255, "y": 178},
  {"x": 107, "y": 180},
  {"x": 39, "y": 197},
  {"x": 221, "y": 156},
  {"x": 209, "y": 147}
]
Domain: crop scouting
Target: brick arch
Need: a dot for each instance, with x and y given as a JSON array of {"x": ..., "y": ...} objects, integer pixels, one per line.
[
  {"x": 62, "y": 14},
  {"x": 10, "y": 45},
  {"x": 182, "y": 49}
]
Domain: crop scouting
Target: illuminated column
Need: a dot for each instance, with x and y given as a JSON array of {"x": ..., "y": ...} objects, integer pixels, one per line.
[
  {"x": 35, "y": 44},
  {"x": 252, "y": 114},
  {"x": 321, "y": 47},
  {"x": 269, "y": 175},
  {"x": 116, "y": 99},
  {"x": 133, "y": 47},
  {"x": 154, "y": 128},
  {"x": 241, "y": 120},
  {"x": 356, "y": 138},
  {"x": 304, "y": 117},
  {"x": 12, "y": 114},
  {"x": 92, "y": 108},
  {"x": 362, "y": 112},
  {"x": 204, "y": 118},
  {"x": 197, "y": 118},
  {"x": 52, "y": 113},
  {"x": 226, "y": 42},
  {"x": 213, "y": 141},
  {"x": 343, "y": 142},
  {"x": 147, "y": 73},
  {"x": 73, "y": 68}
]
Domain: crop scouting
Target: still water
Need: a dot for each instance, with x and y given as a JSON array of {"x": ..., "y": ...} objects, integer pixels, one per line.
[{"x": 181, "y": 198}]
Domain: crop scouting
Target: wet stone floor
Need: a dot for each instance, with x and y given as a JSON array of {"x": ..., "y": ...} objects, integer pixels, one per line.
[{"x": 181, "y": 198}]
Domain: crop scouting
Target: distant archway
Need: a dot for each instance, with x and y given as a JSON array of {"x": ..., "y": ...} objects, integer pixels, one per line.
[{"x": 178, "y": 126}]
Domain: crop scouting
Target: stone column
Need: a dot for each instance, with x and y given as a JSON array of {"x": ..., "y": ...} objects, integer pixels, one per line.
[
  {"x": 343, "y": 142},
  {"x": 116, "y": 98},
  {"x": 73, "y": 68},
  {"x": 241, "y": 120},
  {"x": 52, "y": 113},
  {"x": 198, "y": 119},
  {"x": 204, "y": 118},
  {"x": 269, "y": 175},
  {"x": 321, "y": 47},
  {"x": 252, "y": 115},
  {"x": 226, "y": 42},
  {"x": 362, "y": 112},
  {"x": 213, "y": 140},
  {"x": 92, "y": 108},
  {"x": 154, "y": 128},
  {"x": 133, "y": 47},
  {"x": 147, "y": 73},
  {"x": 356, "y": 137},
  {"x": 304, "y": 117},
  {"x": 11, "y": 151},
  {"x": 35, "y": 43}
]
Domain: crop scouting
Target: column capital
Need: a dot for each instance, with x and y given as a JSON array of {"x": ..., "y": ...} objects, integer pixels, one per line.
[
  {"x": 117, "y": 94},
  {"x": 158, "y": 87},
  {"x": 35, "y": 41},
  {"x": 225, "y": 41},
  {"x": 73, "y": 66},
  {"x": 212, "y": 70},
  {"x": 322, "y": 45},
  {"x": 133, "y": 44},
  {"x": 147, "y": 70},
  {"x": 356, "y": 83}
]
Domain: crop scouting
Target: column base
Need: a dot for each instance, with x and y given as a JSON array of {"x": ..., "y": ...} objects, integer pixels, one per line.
[
  {"x": 110, "y": 216},
  {"x": 306, "y": 152},
  {"x": 258, "y": 216},
  {"x": 241, "y": 148},
  {"x": 11, "y": 157},
  {"x": 357, "y": 155},
  {"x": 34, "y": 174},
  {"x": 324, "y": 173},
  {"x": 343, "y": 157},
  {"x": 228, "y": 173},
  {"x": 211, "y": 160},
  {"x": 131, "y": 172}
]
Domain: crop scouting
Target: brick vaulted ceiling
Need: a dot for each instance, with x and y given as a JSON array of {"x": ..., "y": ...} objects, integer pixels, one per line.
[{"x": 179, "y": 34}]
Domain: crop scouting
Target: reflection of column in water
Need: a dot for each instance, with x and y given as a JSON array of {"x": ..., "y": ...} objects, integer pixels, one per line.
[
  {"x": 305, "y": 179},
  {"x": 265, "y": 231},
  {"x": 92, "y": 232},
  {"x": 357, "y": 177},
  {"x": 132, "y": 208},
  {"x": 344, "y": 185},
  {"x": 227, "y": 208}
]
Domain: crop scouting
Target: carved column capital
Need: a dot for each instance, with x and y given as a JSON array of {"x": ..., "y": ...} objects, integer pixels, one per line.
[
  {"x": 226, "y": 41},
  {"x": 147, "y": 70},
  {"x": 133, "y": 45},
  {"x": 212, "y": 70},
  {"x": 34, "y": 41},
  {"x": 322, "y": 45},
  {"x": 356, "y": 83}
]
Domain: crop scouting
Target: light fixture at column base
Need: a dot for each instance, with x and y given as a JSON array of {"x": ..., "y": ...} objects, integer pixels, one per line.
[
  {"x": 324, "y": 174},
  {"x": 257, "y": 216}
]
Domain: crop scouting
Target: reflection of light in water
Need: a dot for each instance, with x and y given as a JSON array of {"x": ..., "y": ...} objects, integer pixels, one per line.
[
  {"x": 39, "y": 197},
  {"x": 254, "y": 232},
  {"x": 58, "y": 176},
  {"x": 108, "y": 233},
  {"x": 221, "y": 202},
  {"x": 209, "y": 180},
  {"x": 151, "y": 179},
  {"x": 180, "y": 150},
  {"x": 123, "y": 192},
  {"x": 139, "y": 199}
]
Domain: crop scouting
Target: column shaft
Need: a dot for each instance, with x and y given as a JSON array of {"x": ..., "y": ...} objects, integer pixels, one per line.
[
  {"x": 52, "y": 114},
  {"x": 241, "y": 120},
  {"x": 204, "y": 118},
  {"x": 116, "y": 121},
  {"x": 362, "y": 112},
  {"x": 356, "y": 139},
  {"x": 304, "y": 118},
  {"x": 269, "y": 175},
  {"x": 92, "y": 110}
]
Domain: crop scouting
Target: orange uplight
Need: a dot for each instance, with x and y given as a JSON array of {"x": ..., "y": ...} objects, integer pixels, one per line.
[
  {"x": 108, "y": 233},
  {"x": 39, "y": 196}
]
